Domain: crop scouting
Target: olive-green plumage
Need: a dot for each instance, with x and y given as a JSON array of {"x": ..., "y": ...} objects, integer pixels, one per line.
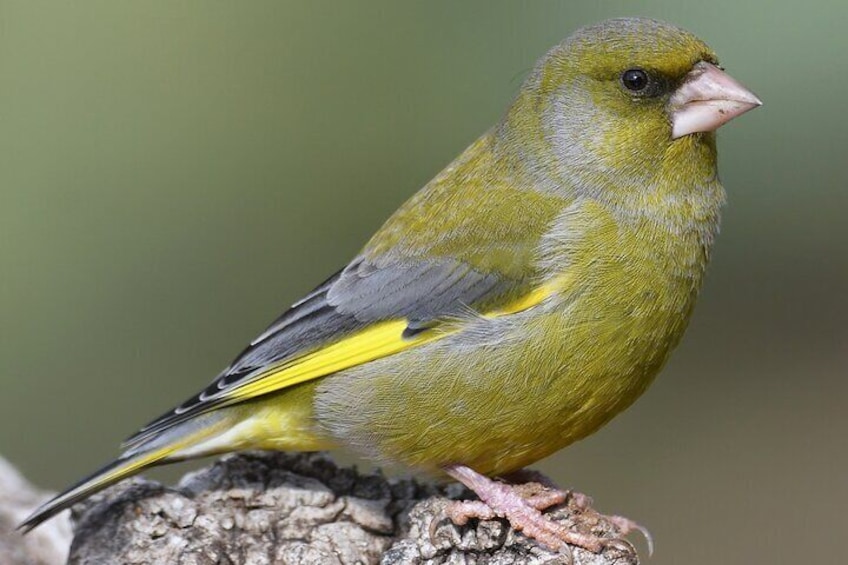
[
  {"x": 620, "y": 214},
  {"x": 520, "y": 300}
]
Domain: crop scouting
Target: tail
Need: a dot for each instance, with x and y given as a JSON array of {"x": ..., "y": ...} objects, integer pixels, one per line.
[
  {"x": 186, "y": 440},
  {"x": 108, "y": 475}
]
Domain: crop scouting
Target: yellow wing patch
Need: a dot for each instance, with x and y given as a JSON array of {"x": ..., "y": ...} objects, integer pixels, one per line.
[{"x": 380, "y": 340}]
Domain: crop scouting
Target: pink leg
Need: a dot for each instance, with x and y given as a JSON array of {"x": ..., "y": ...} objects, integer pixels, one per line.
[
  {"x": 505, "y": 501},
  {"x": 583, "y": 502}
]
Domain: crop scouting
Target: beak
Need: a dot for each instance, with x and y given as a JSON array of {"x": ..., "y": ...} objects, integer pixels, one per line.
[{"x": 707, "y": 99}]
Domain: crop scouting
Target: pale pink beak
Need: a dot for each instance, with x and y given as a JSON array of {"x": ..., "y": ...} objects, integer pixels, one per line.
[{"x": 707, "y": 99}]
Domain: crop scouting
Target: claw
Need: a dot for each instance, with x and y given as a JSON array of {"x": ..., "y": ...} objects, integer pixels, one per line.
[
  {"x": 621, "y": 544},
  {"x": 434, "y": 525},
  {"x": 626, "y": 525}
]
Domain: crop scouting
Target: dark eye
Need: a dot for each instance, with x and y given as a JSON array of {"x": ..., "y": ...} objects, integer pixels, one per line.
[{"x": 635, "y": 80}]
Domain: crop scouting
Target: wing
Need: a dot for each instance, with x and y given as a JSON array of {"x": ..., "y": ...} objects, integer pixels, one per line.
[
  {"x": 473, "y": 254},
  {"x": 359, "y": 314}
]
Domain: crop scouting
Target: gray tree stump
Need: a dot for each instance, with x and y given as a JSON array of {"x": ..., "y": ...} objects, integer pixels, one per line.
[{"x": 279, "y": 508}]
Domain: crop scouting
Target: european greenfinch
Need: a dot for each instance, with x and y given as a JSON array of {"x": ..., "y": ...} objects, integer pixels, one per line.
[{"x": 526, "y": 295}]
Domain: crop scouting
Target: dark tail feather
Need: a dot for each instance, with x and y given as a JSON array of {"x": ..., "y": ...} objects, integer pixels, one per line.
[
  {"x": 163, "y": 448},
  {"x": 107, "y": 476}
]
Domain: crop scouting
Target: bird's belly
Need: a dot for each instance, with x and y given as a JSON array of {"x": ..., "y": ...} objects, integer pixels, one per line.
[{"x": 505, "y": 394}]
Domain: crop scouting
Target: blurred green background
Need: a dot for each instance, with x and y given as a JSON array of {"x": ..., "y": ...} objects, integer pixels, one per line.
[{"x": 173, "y": 175}]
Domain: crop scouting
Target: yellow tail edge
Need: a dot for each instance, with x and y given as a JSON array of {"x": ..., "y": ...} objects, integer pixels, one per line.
[{"x": 122, "y": 468}]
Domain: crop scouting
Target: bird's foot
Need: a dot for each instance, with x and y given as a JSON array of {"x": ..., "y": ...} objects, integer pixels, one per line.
[{"x": 522, "y": 505}]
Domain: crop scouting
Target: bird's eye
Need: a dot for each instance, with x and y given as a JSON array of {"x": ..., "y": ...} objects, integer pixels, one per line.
[{"x": 635, "y": 80}]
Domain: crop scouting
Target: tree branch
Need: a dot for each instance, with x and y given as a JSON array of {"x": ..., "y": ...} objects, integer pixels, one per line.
[{"x": 269, "y": 508}]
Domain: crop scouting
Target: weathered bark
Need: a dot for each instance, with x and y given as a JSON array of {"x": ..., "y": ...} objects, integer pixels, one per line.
[{"x": 263, "y": 508}]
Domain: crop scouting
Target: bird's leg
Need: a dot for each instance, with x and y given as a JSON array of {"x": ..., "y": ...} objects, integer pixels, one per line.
[
  {"x": 506, "y": 501},
  {"x": 582, "y": 501}
]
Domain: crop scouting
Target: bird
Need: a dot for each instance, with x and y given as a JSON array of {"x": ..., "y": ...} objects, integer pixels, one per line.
[{"x": 527, "y": 294}]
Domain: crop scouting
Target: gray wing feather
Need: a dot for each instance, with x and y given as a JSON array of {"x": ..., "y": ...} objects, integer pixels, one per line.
[{"x": 421, "y": 291}]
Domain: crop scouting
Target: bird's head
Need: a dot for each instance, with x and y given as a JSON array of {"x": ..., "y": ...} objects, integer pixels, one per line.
[{"x": 628, "y": 99}]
